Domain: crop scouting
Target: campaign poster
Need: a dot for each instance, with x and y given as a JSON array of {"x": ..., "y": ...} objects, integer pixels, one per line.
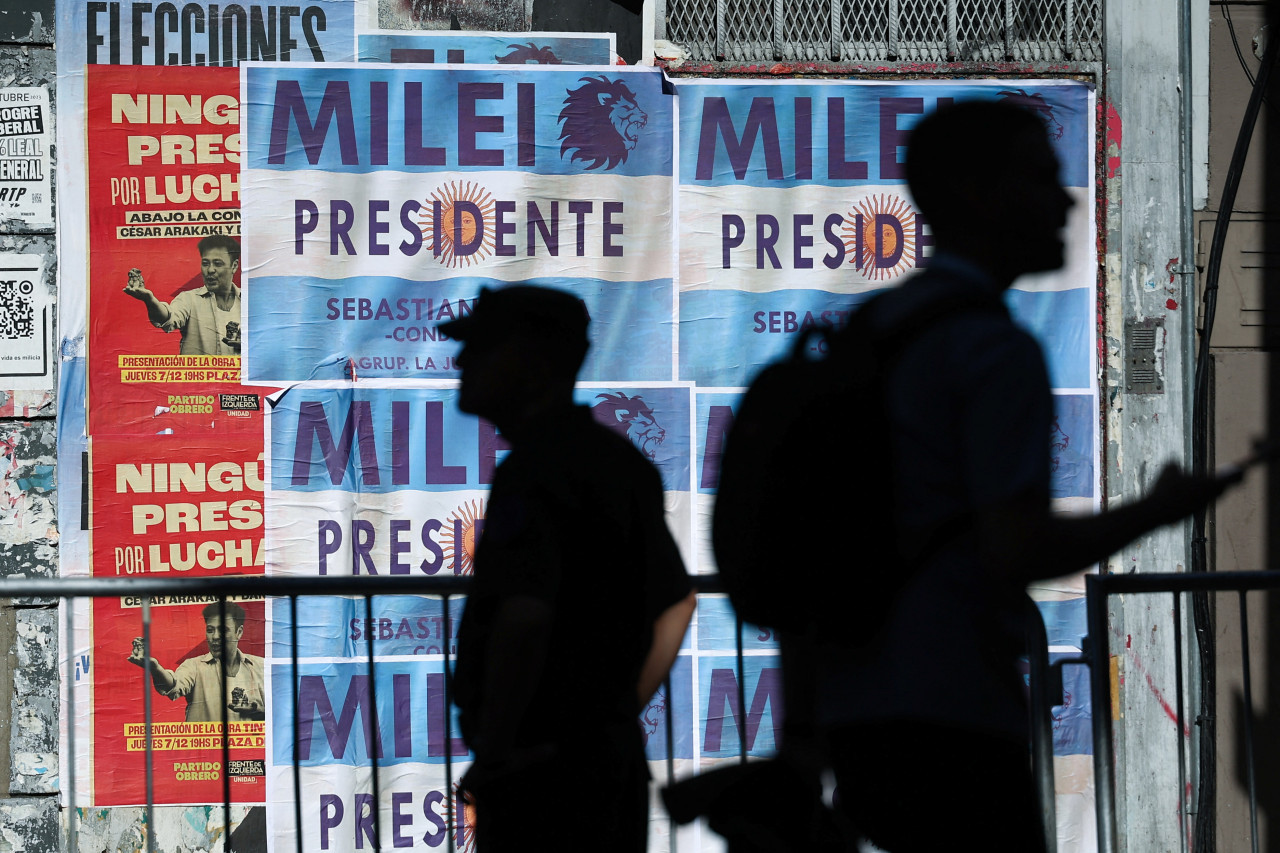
[
  {"x": 165, "y": 319},
  {"x": 26, "y": 131},
  {"x": 189, "y": 507},
  {"x": 380, "y": 200},
  {"x": 486, "y": 48},
  {"x": 26, "y": 324},
  {"x": 794, "y": 208},
  {"x": 377, "y": 481}
]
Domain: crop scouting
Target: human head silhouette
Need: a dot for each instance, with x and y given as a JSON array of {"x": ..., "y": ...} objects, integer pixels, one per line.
[
  {"x": 985, "y": 177},
  {"x": 522, "y": 348}
]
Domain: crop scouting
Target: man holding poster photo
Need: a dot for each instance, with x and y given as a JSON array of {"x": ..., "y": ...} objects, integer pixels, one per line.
[
  {"x": 209, "y": 318},
  {"x": 200, "y": 680}
]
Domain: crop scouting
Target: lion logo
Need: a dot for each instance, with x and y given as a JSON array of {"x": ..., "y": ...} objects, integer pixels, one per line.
[
  {"x": 631, "y": 418},
  {"x": 529, "y": 54},
  {"x": 1059, "y": 441},
  {"x": 652, "y": 715},
  {"x": 1038, "y": 105},
  {"x": 602, "y": 123}
]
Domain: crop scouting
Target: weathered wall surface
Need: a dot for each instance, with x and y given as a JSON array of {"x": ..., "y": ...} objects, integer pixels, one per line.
[
  {"x": 1146, "y": 288},
  {"x": 29, "y": 819}
]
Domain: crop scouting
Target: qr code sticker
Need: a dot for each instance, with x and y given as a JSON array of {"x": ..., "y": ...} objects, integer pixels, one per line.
[{"x": 17, "y": 313}]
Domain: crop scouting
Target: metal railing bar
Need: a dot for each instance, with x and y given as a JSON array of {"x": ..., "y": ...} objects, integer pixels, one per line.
[
  {"x": 294, "y": 677},
  {"x": 1184, "y": 794},
  {"x": 375, "y": 729},
  {"x": 1171, "y": 582},
  {"x": 450, "y": 796},
  {"x": 1248, "y": 720},
  {"x": 742, "y": 693},
  {"x": 226, "y": 726},
  {"x": 266, "y": 585},
  {"x": 1041, "y": 724},
  {"x": 1098, "y": 651},
  {"x": 671, "y": 756},
  {"x": 147, "y": 716},
  {"x": 70, "y": 620}
]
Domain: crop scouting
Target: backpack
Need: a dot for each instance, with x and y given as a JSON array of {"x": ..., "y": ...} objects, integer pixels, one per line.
[{"x": 789, "y": 559}]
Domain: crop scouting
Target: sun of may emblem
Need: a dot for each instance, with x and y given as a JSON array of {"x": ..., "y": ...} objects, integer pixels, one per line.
[
  {"x": 457, "y": 223},
  {"x": 880, "y": 236},
  {"x": 461, "y": 535}
]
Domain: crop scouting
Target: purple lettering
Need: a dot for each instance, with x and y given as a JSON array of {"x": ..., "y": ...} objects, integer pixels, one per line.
[
  {"x": 611, "y": 229},
  {"x": 724, "y": 690},
  {"x": 891, "y": 137},
  {"x": 335, "y": 105},
  {"x": 329, "y": 534},
  {"x": 719, "y": 420},
  {"x": 732, "y": 232},
  {"x": 306, "y": 218},
  {"x": 837, "y": 167},
  {"x": 313, "y": 426},
  {"x": 470, "y": 124},
  {"x": 716, "y": 121}
]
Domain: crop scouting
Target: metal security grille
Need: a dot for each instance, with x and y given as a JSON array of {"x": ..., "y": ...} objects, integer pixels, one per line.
[{"x": 906, "y": 31}]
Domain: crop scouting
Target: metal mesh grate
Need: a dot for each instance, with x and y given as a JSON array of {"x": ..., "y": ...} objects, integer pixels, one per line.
[
  {"x": 748, "y": 29},
  {"x": 864, "y": 31},
  {"x": 806, "y": 30},
  {"x": 692, "y": 23},
  {"x": 887, "y": 30}
]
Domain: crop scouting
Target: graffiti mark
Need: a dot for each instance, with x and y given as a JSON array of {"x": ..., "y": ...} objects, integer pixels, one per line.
[
  {"x": 1113, "y": 139},
  {"x": 1155, "y": 689}
]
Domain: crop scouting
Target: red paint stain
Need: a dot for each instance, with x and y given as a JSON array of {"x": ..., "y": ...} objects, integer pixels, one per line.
[
  {"x": 1171, "y": 304},
  {"x": 1154, "y": 688},
  {"x": 1128, "y": 641},
  {"x": 1114, "y": 135}
]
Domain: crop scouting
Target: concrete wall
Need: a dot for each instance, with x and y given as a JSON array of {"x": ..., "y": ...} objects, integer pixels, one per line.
[{"x": 28, "y": 526}]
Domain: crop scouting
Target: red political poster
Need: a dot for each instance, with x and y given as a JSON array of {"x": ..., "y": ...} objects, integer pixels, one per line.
[
  {"x": 165, "y": 323},
  {"x": 171, "y": 507}
]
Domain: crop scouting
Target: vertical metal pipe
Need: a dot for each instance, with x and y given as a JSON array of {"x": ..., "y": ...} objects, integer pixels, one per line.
[
  {"x": 149, "y": 769},
  {"x": 1041, "y": 724},
  {"x": 779, "y": 21},
  {"x": 449, "y": 794},
  {"x": 1008, "y": 29},
  {"x": 375, "y": 727},
  {"x": 1069, "y": 29},
  {"x": 294, "y": 677},
  {"x": 671, "y": 756},
  {"x": 1248, "y": 720},
  {"x": 720, "y": 39},
  {"x": 742, "y": 695},
  {"x": 226, "y": 726},
  {"x": 837, "y": 38},
  {"x": 953, "y": 41},
  {"x": 1184, "y": 813},
  {"x": 1098, "y": 652},
  {"x": 70, "y": 645},
  {"x": 892, "y": 40}
]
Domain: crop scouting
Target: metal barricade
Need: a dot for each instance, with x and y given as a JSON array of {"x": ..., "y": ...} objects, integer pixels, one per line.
[
  {"x": 67, "y": 590},
  {"x": 1099, "y": 588}
]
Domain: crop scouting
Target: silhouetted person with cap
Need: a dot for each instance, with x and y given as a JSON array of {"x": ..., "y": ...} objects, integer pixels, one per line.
[
  {"x": 580, "y": 599},
  {"x": 927, "y": 723}
]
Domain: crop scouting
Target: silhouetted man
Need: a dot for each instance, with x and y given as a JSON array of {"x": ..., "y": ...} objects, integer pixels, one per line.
[
  {"x": 580, "y": 598},
  {"x": 928, "y": 723}
]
